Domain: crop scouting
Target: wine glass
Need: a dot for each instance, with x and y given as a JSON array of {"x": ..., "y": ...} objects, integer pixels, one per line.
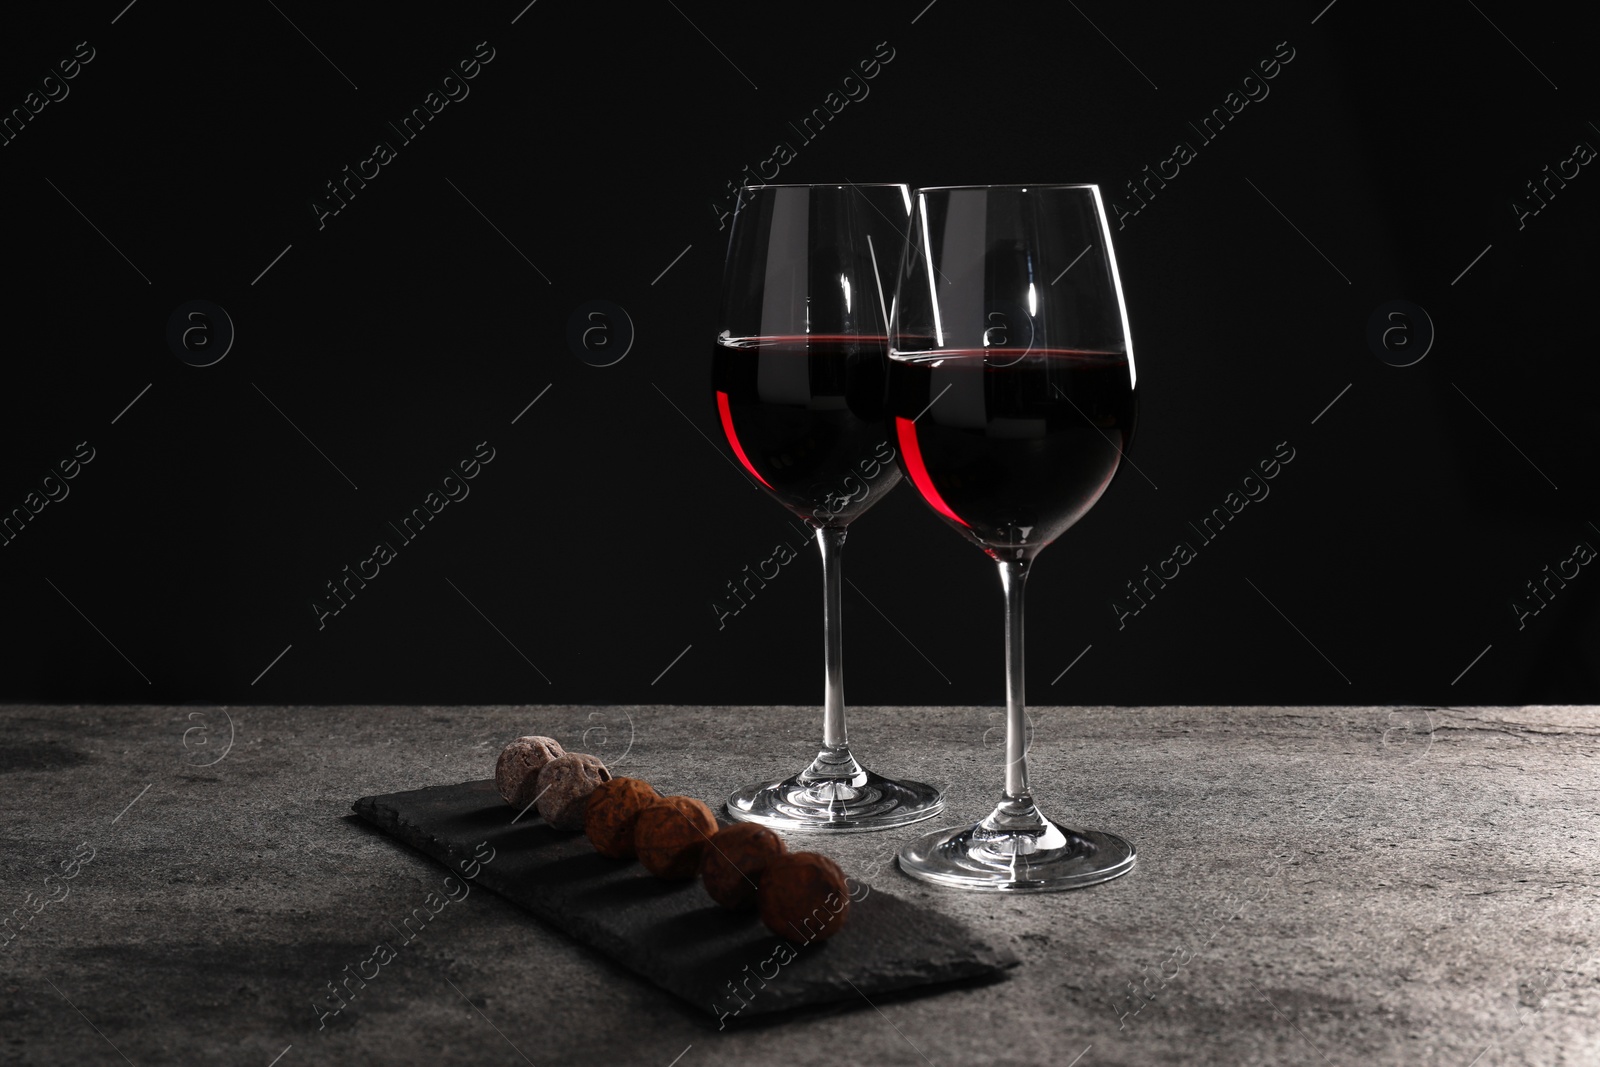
[
  {"x": 1011, "y": 401},
  {"x": 798, "y": 374}
]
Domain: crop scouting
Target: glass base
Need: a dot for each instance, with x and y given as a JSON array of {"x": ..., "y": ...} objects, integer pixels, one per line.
[
  {"x": 1039, "y": 860},
  {"x": 806, "y": 803}
]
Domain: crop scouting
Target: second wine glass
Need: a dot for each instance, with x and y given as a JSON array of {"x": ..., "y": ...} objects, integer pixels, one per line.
[
  {"x": 798, "y": 373},
  {"x": 1012, "y": 395}
]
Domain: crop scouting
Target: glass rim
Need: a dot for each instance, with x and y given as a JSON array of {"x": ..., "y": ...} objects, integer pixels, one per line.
[{"x": 1020, "y": 186}]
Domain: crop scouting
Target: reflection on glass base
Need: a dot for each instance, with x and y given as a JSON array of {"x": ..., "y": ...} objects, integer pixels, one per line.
[
  {"x": 973, "y": 857},
  {"x": 866, "y": 801}
]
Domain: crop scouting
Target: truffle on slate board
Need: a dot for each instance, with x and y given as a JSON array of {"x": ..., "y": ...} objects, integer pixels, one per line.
[
  {"x": 732, "y": 863},
  {"x": 564, "y": 788},
  {"x": 803, "y": 897},
  {"x": 613, "y": 810},
  {"x": 516, "y": 772},
  {"x": 670, "y": 834}
]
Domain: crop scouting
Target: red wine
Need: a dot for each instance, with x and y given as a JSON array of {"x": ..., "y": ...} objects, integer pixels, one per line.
[
  {"x": 1011, "y": 446},
  {"x": 805, "y": 416}
]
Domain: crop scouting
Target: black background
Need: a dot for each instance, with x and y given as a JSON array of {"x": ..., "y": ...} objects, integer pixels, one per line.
[{"x": 407, "y": 330}]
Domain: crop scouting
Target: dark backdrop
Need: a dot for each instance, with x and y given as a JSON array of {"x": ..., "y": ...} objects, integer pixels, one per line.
[{"x": 588, "y": 161}]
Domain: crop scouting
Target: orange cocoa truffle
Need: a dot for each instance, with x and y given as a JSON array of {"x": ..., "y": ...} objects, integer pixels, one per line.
[
  {"x": 669, "y": 835},
  {"x": 803, "y": 897},
  {"x": 613, "y": 810},
  {"x": 731, "y": 865}
]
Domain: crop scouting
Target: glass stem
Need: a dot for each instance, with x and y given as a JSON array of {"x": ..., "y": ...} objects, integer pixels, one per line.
[
  {"x": 834, "y": 763},
  {"x": 834, "y": 770},
  {"x": 1016, "y": 827},
  {"x": 830, "y": 545},
  {"x": 1013, "y": 576}
]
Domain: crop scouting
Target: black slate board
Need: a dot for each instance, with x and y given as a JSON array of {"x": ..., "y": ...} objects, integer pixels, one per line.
[{"x": 670, "y": 932}]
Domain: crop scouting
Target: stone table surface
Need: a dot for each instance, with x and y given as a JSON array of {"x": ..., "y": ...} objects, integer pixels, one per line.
[{"x": 1327, "y": 885}]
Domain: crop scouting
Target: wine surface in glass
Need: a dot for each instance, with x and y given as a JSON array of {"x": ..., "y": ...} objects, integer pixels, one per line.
[
  {"x": 1011, "y": 446},
  {"x": 805, "y": 416}
]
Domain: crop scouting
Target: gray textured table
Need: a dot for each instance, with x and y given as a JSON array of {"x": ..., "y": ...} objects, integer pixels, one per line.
[{"x": 1315, "y": 885}]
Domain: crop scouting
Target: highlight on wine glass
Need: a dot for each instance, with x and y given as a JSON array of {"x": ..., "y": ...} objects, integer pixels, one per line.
[
  {"x": 1011, "y": 402},
  {"x": 799, "y": 371}
]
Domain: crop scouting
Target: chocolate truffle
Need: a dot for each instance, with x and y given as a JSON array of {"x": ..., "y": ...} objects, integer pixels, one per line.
[
  {"x": 613, "y": 810},
  {"x": 669, "y": 835},
  {"x": 731, "y": 864},
  {"x": 803, "y": 897},
  {"x": 516, "y": 772},
  {"x": 564, "y": 788}
]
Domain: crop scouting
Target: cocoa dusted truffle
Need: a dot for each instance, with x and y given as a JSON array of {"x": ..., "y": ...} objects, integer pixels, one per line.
[
  {"x": 564, "y": 788},
  {"x": 516, "y": 772},
  {"x": 669, "y": 835},
  {"x": 613, "y": 810},
  {"x": 803, "y": 897},
  {"x": 731, "y": 865}
]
